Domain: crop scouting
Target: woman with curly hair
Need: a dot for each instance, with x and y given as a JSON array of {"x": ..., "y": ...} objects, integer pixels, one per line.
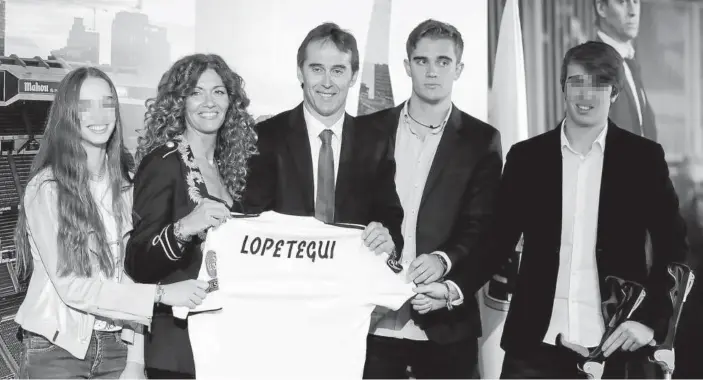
[
  {"x": 70, "y": 238},
  {"x": 192, "y": 168}
]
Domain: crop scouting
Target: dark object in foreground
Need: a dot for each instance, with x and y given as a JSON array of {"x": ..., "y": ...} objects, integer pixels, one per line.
[
  {"x": 625, "y": 298},
  {"x": 682, "y": 278}
]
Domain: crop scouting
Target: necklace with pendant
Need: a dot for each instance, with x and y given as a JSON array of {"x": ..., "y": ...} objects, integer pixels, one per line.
[{"x": 101, "y": 174}]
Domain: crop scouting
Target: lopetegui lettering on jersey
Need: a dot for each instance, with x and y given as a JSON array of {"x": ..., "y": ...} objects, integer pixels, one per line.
[{"x": 291, "y": 249}]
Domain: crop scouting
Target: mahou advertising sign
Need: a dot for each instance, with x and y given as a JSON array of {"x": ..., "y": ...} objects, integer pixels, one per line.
[{"x": 37, "y": 87}]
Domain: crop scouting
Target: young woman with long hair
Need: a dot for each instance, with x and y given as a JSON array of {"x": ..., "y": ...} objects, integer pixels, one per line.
[{"x": 70, "y": 238}]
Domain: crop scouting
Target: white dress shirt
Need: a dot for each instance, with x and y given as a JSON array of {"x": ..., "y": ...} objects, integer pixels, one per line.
[
  {"x": 577, "y": 303},
  {"x": 413, "y": 156},
  {"x": 315, "y": 127},
  {"x": 627, "y": 51}
]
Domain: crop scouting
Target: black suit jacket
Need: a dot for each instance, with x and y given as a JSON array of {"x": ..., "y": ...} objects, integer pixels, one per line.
[
  {"x": 162, "y": 196},
  {"x": 623, "y": 112},
  {"x": 280, "y": 177},
  {"x": 636, "y": 196},
  {"x": 455, "y": 209}
]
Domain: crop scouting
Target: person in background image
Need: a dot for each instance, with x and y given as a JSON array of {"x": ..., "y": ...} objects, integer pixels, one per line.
[
  {"x": 314, "y": 160},
  {"x": 569, "y": 192},
  {"x": 448, "y": 169},
  {"x": 192, "y": 159},
  {"x": 618, "y": 23},
  {"x": 70, "y": 238}
]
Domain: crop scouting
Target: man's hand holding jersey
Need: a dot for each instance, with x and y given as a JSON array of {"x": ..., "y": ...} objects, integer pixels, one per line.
[
  {"x": 427, "y": 271},
  {"x": 435, "y": 296},
  {"x": 378, "y": 239},
  {"x": 427, "y": 268}
]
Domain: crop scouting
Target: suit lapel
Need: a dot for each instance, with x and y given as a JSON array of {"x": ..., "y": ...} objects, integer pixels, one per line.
[
  {"x": 299, "y": 147},
  {"x": 633, "y": 108},
  {"x": 346, "y": 163},
  {"x": 608, "y": 177},
  {"x": 392, "y": 120},
  {"x": 551, "y": 176},
  {"x": 445, "y": 151}
]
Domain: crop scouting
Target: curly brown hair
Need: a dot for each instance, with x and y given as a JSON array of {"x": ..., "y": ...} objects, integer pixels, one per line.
[{"x": 165, "y": 117}]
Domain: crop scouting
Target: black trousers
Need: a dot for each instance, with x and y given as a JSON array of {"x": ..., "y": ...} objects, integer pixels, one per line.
[
  {"x": 153, "y": 373},
  {"x": 551, "y": 362},
  {"x": 388, "y": 358}
]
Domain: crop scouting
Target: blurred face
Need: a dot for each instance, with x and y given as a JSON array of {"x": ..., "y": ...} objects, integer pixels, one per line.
[
  {"x": 326, "y": 76},
  {"x": 620, "y": 18},
  {"x": 587, "y": 98},
  {"x": 433, "y": 68},
  {"x": 96, "y": 110},
  {"x": 207, "y": 105}
]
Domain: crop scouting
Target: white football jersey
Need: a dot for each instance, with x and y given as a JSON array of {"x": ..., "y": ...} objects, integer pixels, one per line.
[{"x": 290, "y": 297}]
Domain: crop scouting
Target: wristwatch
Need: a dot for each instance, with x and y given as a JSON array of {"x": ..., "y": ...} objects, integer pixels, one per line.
[
  {"x": 448, "y": 297},
  {"x": 159, "y": 293},
  {"x": 177, "y": 232},
  {"x": 444, "y": 263}
]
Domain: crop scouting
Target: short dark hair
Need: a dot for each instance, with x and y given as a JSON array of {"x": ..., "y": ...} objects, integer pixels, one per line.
[
  {"x": 597, "y": 58},
  {"x": 329, "y": 31},
  {"x": 595, "y": 9},
  {"x": 435, "y": 30}
]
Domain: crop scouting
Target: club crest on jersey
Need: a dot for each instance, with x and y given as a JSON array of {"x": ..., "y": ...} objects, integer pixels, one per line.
[
  {"x": 211, "y": 264},
  {"x": 211, "y": 268}
]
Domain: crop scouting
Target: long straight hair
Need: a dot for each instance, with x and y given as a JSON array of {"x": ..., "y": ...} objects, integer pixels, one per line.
[{"x": 82, "y": 240}]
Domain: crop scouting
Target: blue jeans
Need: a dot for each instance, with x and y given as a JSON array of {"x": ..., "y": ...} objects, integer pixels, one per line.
[{"x": 42, "y": 359}]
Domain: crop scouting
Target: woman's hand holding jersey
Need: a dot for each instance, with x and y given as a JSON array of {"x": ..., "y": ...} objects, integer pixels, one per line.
[
  {"x": 189, "y": 293},
  {"x": 207, "y": 214}
]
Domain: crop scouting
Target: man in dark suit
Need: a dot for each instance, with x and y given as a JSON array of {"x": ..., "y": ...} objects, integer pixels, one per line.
[
  {"x": 584, "y": 195},
  {"x": 618, "y": 22},
  {"x": 448, "y": 168},
  {"x": 314, "y": 161}
]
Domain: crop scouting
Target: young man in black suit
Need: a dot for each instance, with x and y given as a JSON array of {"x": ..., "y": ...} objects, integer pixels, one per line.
[
  {"x": 448, "y": 167},
  {"x": 584, "y": 196},
  {"x": 314, "y": 161}
]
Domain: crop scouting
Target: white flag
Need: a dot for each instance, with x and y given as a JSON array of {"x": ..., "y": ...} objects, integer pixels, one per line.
[{"x": 507, "y": 111}]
